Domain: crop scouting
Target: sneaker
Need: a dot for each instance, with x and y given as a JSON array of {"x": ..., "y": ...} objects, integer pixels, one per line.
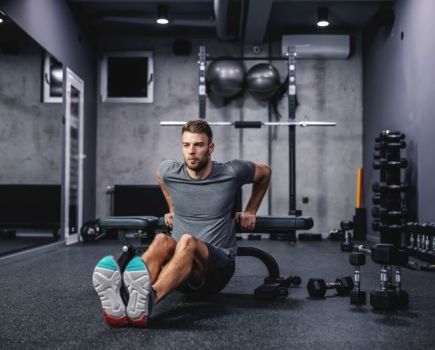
[
  {"x": 107, "y": 283},
  {"x": 138, "y": 282}
]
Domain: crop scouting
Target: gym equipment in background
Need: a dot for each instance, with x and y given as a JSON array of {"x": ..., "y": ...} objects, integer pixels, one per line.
[
  {"x": 263, "y": 81},
  {"x": 274, "y": 285},
  {"x": 252, "y": 124},
  {"x": 316, "y": 51},
  {"x": 389, "y": 212},
  {"x": 420, "y": 242},
  {"x": 346, "y": 227},
  {"x": 317, "y": 287},
  {"x": 389, "y": 295},
  {"x": 357, "y": 296},
  {"x": 356, "y": 229},
  {"x": 360, "y": 217},
  {"x": 226, "y": 78}
]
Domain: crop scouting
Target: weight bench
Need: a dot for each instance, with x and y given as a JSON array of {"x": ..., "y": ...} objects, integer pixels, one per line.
[{"x": 274, "y": 285}]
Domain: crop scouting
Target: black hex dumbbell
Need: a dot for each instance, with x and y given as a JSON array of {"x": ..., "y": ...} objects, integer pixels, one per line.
[
  {"x": 317, "y": 287},
  {"x": 382, "y": 187},
  {"x": 390, "y": 164},
  {"x": 402, "y": 296},
  {"x": 387, "y": 214},
  {"x": 383, "y": 298},
  {"x": 357, "y": 296}
]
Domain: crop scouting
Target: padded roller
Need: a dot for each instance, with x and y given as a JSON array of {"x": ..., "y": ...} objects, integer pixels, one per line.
[
  {"x": 265, "y": 224},
  {"x": 131, "y": 222},
  {"x": 282, "y": 224}
]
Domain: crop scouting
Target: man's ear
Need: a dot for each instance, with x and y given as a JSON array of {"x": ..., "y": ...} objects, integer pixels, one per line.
[{"x": 211, "y": 148}]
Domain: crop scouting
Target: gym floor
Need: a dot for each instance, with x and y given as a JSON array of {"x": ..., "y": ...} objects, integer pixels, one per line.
[{"x": 48, "y": 301}]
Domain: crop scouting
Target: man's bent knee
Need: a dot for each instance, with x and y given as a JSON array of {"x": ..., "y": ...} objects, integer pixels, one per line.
[
  {"x": 163, "y": 239},
  {"x": 191, "y": 245},
  {"x": 162, "y": 247},
  {"x": 187, "y": 242}
]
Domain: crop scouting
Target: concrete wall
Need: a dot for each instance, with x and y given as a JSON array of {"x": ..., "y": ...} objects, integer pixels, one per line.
[
  {"x": 52, "y": 24},
  {"x": 131, "y": 144},
  {"x": 30, "y": 133},
  {"x": 399, "y": 91}
]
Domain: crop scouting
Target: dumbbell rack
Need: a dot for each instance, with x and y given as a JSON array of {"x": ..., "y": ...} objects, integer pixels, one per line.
[
  {"x": 389, "y": 212},
  {"x": 389, "y": 295},
  {"x": 420, "y": 240}
]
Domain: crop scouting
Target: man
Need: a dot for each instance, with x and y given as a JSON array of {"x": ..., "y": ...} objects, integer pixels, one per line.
[{"x": 199, "y": 257}]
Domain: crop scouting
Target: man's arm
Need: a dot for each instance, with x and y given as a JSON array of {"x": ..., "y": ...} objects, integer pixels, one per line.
[
  {"x": 246, "y": 219},
  {"x": 168, "y": 216}
]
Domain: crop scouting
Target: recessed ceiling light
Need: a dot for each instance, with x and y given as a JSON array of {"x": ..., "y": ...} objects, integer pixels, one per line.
[
  {"x": 323, "y": 17},
  {"x": 162, "y": 14}
]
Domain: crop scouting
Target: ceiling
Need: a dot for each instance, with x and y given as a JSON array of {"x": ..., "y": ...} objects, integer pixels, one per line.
[{"x": 252, "y": 21}]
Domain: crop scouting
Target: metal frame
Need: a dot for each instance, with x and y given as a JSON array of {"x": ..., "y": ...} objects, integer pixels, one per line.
[
  {"x": 46, "y": 82},
  {"x": 72, "y": 80},
  {"x": 291, "y": 123}
]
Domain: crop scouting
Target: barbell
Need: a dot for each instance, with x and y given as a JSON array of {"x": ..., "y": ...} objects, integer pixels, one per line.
[{"x": 254, "y": 124}]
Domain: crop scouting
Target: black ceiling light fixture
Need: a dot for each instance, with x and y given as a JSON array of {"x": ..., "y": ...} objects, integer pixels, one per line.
[
  {"x": 323, "y": 17},
  {"x": 2, "y": 17},
  {"x": 162, "y": 14}
]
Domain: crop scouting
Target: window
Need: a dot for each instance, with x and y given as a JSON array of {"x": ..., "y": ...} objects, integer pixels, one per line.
[{"x": 127, "y": 77}]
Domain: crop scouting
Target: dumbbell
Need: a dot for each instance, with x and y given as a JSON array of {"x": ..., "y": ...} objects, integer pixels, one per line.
[
  {"x": 383, "y": 298},
  {"x": 390, "y": 145},
  {"x": 382, "y": 187},
  {"x": 357, "y": 296},
  {"x": 317, "y": 287},
  {"x": 388, "y": 214},
  {"x": 390, "y": 136},
  {"x": 402, "y": 296},
  {"x": 390, "y": 164},
  {"x": 336, "y": 235},
  {"x": 392, "y": 228},
  {"x": 389, "y": 296},
  {"x": 347, "y": 245}
]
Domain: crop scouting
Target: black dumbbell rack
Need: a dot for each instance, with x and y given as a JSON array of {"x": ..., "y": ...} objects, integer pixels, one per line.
[
  {"x": 420, "y": 240},
  {"x": 389, "y": 212}
]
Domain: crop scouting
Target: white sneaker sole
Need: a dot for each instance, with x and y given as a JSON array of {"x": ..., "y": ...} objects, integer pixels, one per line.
[
  {"x": 138, "y": 284},
  {"x": 107, "y": 284}
]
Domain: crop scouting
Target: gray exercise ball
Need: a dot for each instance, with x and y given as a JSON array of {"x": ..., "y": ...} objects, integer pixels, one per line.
[
  {"x": 225, "y": 78},
  {"x": 263, "y": 81}
]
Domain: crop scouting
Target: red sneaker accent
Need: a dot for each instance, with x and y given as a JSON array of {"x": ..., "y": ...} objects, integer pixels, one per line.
[
  {"x": 139, "y": 322},
  {"x": 115, "y": 321}
]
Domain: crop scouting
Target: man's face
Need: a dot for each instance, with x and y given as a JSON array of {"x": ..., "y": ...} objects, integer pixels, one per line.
[{"x": 197, "y": 150}]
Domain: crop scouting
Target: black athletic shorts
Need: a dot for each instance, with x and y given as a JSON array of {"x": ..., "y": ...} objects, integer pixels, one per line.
[{"x": 220, "y": 268}]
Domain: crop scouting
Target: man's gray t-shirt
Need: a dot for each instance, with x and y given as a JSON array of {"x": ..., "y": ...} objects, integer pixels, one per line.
[{"x": 203, "y": 207}]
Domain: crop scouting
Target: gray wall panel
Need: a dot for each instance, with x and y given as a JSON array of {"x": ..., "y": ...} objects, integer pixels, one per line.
[
  {"x": 399, "y": 91},
  {"x": 53, "y": 26},
  {"x": 30, "y": 132}
]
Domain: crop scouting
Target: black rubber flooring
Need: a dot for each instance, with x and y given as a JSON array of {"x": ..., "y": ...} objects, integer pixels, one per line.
[
  {"x": 48, "y": 302},
  {"x": 9, "y": 246}
]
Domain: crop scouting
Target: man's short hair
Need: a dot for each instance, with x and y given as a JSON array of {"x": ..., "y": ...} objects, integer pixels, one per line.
[{"x": 198, "y": 127}]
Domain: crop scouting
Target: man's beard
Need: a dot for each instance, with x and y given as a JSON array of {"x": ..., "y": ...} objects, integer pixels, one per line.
[{"x": 200, "y": 165}]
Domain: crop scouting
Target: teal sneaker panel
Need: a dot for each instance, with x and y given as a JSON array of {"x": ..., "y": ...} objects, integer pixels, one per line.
[
  {"x": 136, "y": 264},
  {"x": 108, "y": 263}
]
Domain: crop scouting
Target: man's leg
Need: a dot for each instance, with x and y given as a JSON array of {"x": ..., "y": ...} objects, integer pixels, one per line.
[
  {"x": 158, "y": 254},
  {"x": 139, "y": 275},
  {"x": 188, "y": 262}
]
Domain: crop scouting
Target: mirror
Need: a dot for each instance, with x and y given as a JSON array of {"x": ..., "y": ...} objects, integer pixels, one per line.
[{"x": 30, "y": 145}]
